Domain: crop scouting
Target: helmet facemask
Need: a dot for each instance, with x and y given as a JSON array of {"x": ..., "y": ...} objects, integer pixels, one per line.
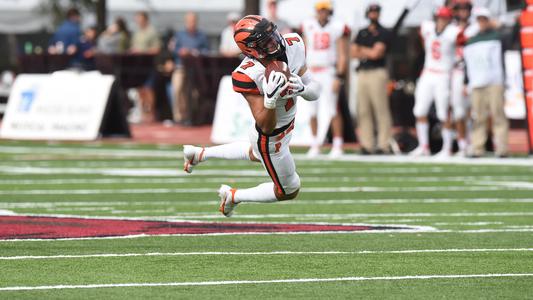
[{"x": 266, "y": 41}]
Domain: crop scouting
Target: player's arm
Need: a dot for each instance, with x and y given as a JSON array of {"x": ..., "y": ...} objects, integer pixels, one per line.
[
  {"x": 265, "y": 118},
  {"x": 263, "y": 107},
  {"x": 304, "y": 85},
  {"x": 342, "y": 53}
]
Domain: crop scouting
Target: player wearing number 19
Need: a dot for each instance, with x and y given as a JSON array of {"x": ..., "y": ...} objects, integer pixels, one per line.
[{"x": 271, "y": 93}]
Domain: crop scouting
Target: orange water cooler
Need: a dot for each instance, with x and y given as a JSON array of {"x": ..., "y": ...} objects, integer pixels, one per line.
[{"x": 526, "y": 42}]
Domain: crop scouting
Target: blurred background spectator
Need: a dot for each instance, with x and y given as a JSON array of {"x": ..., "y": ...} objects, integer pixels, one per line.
[
  {"x": 283, "y": 26},
  {"x": 228, "y": 47},
  {"x": 86, "y": 49},
  {"x": 146, "y": 41},
  {"x": 67, "y": 34},
  {"x": 115, "y": 39},
  {"x": 188, "y": 42},
  {"x": 370, "y": 47},
  {"x": 485, "y": 74}
]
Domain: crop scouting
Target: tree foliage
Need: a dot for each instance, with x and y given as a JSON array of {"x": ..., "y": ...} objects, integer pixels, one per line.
[{"x": 58, "y": 8}]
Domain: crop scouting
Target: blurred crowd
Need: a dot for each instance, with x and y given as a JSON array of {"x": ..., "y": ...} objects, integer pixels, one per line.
[{"x": 462, "y": 74}]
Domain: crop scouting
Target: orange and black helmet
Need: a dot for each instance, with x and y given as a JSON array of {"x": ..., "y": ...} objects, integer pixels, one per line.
[{"x": 257, "y": 37}]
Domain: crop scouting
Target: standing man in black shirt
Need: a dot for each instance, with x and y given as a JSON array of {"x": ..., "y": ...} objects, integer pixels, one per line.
[{"x": 370, "y": 47}]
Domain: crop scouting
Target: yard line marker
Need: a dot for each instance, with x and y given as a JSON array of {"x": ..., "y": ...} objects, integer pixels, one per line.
[
  {"x": 247, "y": 179},
  {"x": 206, "y": 202},
  {"x": 341, "y": 189},
  {"x": 124, "y": 152},
  {"x": 422, "y": 160},
  {"x": 511, "y": 184},
  {"x": 353, "y": 215},
  {"x": 10, "y": 169},
  {"x": 414, "y": 251},
  {"x": 201, "y": 215},
  {"x": 239, "y": 282},
  {"x": 87, "y": 151}
]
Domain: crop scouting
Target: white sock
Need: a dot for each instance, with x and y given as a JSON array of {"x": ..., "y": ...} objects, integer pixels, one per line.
[
  {"x": 234, "y": 151},
  {"x": 447, "y": 139},
  {"x": 337, "y": 142},
  {"x": 315, "y": 143},
  {"x": 462, "y": 144},
  {"x": 261, "y": 193},
  {"x": 422, "y": 132}
]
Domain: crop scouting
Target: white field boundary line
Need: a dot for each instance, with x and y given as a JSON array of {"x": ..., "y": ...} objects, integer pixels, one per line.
[
  {"x": 217, "y": 172},
  {"x": 191, "y": 180},
  {"x": 343, "y": 189},
  {"x": 274, "y": 281},
  {"x": 206, "y": 202},
  {"x": 90, "y": 151},
  {"x": 423, "y": 160},
  {"x": 123, "y": 152},
  {"x": 509, "y": 184},
  {"x": 201, "y": 215},
  {"x": 112, "y": 255}
]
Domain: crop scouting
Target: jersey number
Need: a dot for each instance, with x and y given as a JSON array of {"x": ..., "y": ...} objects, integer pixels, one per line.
[
  {"x": 289, "y": 104},
  {"x": 292, "y": 40},
  {"x": 322, "y": 41},
  {"x": 435, "y": 50},
  {"x": 247, "y": 65}
]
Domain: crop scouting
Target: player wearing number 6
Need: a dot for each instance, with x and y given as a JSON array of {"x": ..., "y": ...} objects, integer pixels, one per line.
[
  {"x": 440, "y": 39},
  {"x": 270, "y": 78}
]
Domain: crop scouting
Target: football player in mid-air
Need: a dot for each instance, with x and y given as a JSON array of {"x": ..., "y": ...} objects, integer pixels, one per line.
[{"x": 272, "y": 101}]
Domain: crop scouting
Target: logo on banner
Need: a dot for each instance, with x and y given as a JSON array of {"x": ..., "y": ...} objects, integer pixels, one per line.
[{"x": 27, "y": 98}]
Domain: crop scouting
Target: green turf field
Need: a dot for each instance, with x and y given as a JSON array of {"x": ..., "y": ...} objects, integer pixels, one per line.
[{"x": 471, "y": 237}]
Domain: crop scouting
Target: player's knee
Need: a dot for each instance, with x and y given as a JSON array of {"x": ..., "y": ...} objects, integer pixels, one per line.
[
  {"x": 442, "y": 116},
  {"x": 458, "y": 114},
  {"x": 291, "y": 188}
]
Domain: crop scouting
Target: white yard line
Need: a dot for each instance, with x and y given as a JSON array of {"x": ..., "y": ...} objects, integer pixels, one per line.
[
  {"x": 121, "y": 152},
  {"x": 252, "y": 171},
  {"x": 509, "y": 184},
  {"x": 341, "y": 189},
  {"x": 412, "y": 251},
  {"x": 191, "y": 216},
  {"x": 424, "y": 160},
  {"x": 241, "y": 282},
  {"x": 206, "y": 202},
  {"x": 202, "y": 215},
  {"x": 354, "y": 179}
]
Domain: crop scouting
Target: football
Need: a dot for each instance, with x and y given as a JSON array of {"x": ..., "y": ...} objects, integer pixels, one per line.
[{"x": 278, "y": 66}]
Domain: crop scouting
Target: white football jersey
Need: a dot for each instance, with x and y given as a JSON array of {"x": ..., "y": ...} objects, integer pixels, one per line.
[
  {"x": 440, "y": 48},
  {"x": 321, "y": 41},
  {"x": 248, "y": 76}
]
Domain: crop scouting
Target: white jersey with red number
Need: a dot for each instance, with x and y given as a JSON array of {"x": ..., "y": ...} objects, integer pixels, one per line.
[
  {"x": 322, "y": 41},
  {"x": 440, "y": 47},
  {"x": 248, "y": 76}
]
